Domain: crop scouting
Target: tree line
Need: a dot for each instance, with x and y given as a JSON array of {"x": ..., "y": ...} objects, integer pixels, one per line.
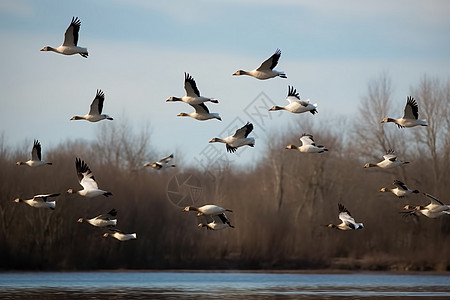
[{"x": 280, "y": 206}]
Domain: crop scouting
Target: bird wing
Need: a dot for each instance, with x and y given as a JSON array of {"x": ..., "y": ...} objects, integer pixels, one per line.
[
  {"x": 293, "y": 95},
  {"x": 190, "y": 86},
  {"x": 390, "y": 155},
  {"x": 411, "y": 109},
  {"x": 400, "y": 185},
  {"x": 44, "y": 197},
  {"x": 345, "y": 216},
  {"x": 223, "y": 218},
  {"x": 271, "y": 62},
  {"x": 36, "y": 151},
  {"x": 201, "y": 108},
  {"x": 244, "y": 131},
  {"x": 71, "y": 35},
  {"x": 85, "y": 176},
  {"x": 97, "y": 103},
  {"x": 434, "y": 200},
  {"x": 166, "y": 159},
  {"x": 307, "y": 139},
  {"x": 108, "y": 216}
]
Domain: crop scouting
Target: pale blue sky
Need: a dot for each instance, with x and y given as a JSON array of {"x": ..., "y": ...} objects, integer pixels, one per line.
[{"x": 139, "y": 50}]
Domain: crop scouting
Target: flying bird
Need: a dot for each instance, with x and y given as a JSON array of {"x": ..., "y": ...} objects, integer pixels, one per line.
[
  {"x": 265, "y": 70},
  {"x": 209, "y": 209},
  {"x": 308, "y": 145},
  {"x": 400, "y": 190},
  {"x": 238, "y": 139},
  {"x": 39, "y": 201},
  {"x": 69, "y": 46},
  {"x": 216, "y": 222},
  {"x": 95, "y": 112},
  {"x": 87, "y": 181},
  {"x": 162, "y": 163},
  {"x": 296, "y": 105},
  {"x": 410, "y": 117},
  {"x": 35, "y": 160},
  {"x": 104, "y": 220},
  {"x": 120, "y": 235},
  {"x": 201, "y": 113},
  {"x": 192, "y": 93},
  {"x": 390, "y": 161},
  {"x": 348, "y": 223},
  {"x": 433, "y": 210}
]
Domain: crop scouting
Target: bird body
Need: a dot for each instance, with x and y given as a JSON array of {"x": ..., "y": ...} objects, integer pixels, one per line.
[
  {"x": 39, "y": 201},
  {"x": 238, "y": 139},
  {"x": 296, "y": 105},
  {"x": 69, "y": 46},
  {"x": 265, "y": 70}
]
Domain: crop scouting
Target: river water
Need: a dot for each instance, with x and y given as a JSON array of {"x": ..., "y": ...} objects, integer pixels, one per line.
[{"x": 221, "y": 285}]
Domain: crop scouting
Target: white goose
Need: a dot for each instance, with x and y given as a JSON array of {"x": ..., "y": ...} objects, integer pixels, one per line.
[
  {"x": 95, "y": 112},
  {"x": 87, "y": 181},
  {"x": 265, "y": 70},
  {"x": 209, "y": 209},
  {"x": 192, "y": 93},
  {"x": 121, "y": 236},
  {"x": 308, "y": 145},
  {"x": 39, "y": 201},
  {"x": 217, "y": 224},
  {"x": 400, "y": 190},
  {"x": 35, "y": 160},
  {"x": 69, "y": 46},
  {"x": 433, "y": 210},
  {"x": 238, "y": 139},
  {"x": 348, "y": 223},
  {"x": 410, "y": 116},
  {"x": 162, "y": 163},
  {"x": 390, "y": 161},
  {"x": 103, "y": 220},
  {"x": 201, "y": 113},
  {"x": 296, "y": 105}
]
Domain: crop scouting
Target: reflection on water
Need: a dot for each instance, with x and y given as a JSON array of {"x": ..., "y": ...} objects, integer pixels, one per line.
[{"x": 211, "y": 285}]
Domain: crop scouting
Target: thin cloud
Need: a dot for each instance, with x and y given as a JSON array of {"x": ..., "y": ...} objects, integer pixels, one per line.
[{"x": 17, "y": 8}]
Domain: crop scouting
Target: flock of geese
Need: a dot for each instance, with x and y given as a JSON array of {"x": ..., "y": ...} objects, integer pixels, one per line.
[{"x": 211, "y": 216}]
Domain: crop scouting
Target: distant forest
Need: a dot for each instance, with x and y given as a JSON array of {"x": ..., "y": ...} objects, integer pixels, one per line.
[{"x": 280, "y": 205}]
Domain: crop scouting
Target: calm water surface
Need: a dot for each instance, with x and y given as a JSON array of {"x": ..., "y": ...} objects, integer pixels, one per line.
[{"x": 220, "y": 285}]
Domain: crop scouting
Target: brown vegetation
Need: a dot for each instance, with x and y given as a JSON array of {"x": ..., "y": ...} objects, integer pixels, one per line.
[{"x": 279, "y": 207}]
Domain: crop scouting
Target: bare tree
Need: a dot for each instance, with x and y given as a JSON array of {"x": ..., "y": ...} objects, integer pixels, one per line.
[
  {"x": 370, "y": 136},
  {"x": 434, "y": 99},
  {"x": 119, "y": 146}
]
